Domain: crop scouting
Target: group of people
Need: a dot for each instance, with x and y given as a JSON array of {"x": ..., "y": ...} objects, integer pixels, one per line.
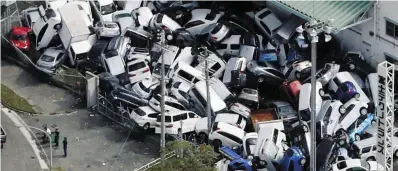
[{"x": 56, "y": 138}]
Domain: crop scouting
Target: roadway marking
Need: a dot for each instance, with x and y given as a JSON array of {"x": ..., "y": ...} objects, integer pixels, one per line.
[{"x": 24, "y": 130}]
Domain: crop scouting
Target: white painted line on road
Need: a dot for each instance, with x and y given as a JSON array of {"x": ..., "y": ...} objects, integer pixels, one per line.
[{"x": 24, "y": 129}]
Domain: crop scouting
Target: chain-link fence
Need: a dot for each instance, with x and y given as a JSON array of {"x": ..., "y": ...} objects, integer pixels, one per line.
[{"x": 9, "y": 17}]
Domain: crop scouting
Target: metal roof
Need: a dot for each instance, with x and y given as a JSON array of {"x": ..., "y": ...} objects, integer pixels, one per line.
[{"x": 343, "y": 13}]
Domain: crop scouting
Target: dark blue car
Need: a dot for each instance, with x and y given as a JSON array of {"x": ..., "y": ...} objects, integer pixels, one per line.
[
  {"x": 237, "y": 162},
  {"x": 346, "y": 91},
  {"x": 293, "y": 160}
]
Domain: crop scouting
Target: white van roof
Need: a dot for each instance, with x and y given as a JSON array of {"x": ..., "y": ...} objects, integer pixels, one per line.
[
  {"x": 81, "y": 46},
  {"x": 231, "y": 129},
  {"x": 217, "y": 103},
  {"x": 189, "y": 69},
  {"x": 115, "y": 65},
  {"x": 71, "y": 16},
  {"x": 221, "y": 90}
]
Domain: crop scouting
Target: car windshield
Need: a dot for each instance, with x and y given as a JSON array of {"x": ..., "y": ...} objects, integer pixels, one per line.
[
  {"x": 167, "y": 119},
  {"x": 19, "y": 37},
  {"x": 286, "y": 109},
  {"x": 139, "y": 111},
  {"x": 107, "y": 9},
  {"x": 47, "y": 58},
  {"x": 123, "y": 15},
  {"x": 137, "y": 66}
]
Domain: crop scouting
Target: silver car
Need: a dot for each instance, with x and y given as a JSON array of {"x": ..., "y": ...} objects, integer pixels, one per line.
[
  {"x": 124, "y": 19},
  {"x": 50, "y": 59},
  {"x": 107, "y": 29},
  {"x": 266, "y": 72}
]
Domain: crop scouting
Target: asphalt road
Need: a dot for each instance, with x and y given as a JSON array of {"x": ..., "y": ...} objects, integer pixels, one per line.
[{"x": 17, "y": 153}]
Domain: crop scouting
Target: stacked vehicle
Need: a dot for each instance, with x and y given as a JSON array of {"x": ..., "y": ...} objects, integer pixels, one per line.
[{"x": 258, "y": 79}]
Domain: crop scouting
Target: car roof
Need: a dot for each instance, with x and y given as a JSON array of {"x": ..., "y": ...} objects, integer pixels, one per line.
[
  {"x": 217, "y": 102},
  {"x": 366, "y": 142},
  {"x": 148, "y": 109},
  {"x": 226, "y": 116},
  {"x": 105, "y": 2},
  {"x": 52, "y": 52}
]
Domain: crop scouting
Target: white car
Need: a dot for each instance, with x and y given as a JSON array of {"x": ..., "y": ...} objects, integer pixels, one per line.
[
  {"x": 297, "y": 70},
  {"x": 178, "y": 122},
  {"x": 249, "y": 144},
  {"x": 145, "y": 117},
  {"x": 30, "y": 15},
  {"x": 201, "y": 18},
  {"x": 170, "y": 104},
  {"x": 350, "y": 112},
  {"x": 304, "y": 100},
  {"x": 240, "y": 109},
  {"x": 144, "y": 88},
  {"x": 201, "y": 127},
  {"x": 180, "y": 91},
  {"x": 224, "y": 134},
  {"x": 328, "y": 117},
  {"x": 142, "y": 16},
  {"x": 358, "y": 165},
  {"x": 249, "y": 97},
  {"x": 215, "y": 64},
  {"x": 124, "y": 19},
  {"x": 107, "y": 29},
  {"x": 162, "y": 21},
  {"x": 216, "y": 32},
  {"x": 50, "y": 59},
  {"x": 138, "y": 70}
]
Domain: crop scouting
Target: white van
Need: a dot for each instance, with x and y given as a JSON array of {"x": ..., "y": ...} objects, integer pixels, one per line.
[
  {"x": 304, "y": 108},
  {"x": 46, "y": 27},
  {"x": 230, "y": 45},
  {"x": 169, "y": 57},
  {"x": 183, "y": 72},
  {"x": 198, "y": 100},
  {"x": 220, "y": 88},
  {"x": 216, "y": 65},
  {"x": 342, "y": 77},
  {"x": 365, "y": 149},
  {"x": 271, "y": 144}
]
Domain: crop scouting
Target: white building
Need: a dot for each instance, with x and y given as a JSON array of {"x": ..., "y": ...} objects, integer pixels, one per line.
[{"x": 367, "y": 26}]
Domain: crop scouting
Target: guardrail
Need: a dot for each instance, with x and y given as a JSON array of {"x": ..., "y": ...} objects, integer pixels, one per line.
[{"x": 157, "y": 161}]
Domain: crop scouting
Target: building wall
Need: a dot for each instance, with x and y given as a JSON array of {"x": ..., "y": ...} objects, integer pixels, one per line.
[{"x": 360, "y": 38}]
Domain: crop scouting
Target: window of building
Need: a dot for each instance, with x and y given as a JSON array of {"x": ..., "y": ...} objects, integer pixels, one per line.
[{"x": 391, "y": 29}]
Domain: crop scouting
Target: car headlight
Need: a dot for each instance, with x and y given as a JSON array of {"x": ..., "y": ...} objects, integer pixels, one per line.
[{"x": 302, "y": 161}]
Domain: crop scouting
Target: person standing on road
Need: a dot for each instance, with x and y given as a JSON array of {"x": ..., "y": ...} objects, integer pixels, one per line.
[
  {"x": 56, "y": 137},
  {"x": 65, "y": 143}
]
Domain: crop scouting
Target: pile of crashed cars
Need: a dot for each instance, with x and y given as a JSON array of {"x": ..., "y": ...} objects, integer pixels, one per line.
[{"x": 259, "y": 85}]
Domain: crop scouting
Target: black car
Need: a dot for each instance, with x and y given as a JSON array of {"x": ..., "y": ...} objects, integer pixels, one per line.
[{"x": 355, "y": 62}]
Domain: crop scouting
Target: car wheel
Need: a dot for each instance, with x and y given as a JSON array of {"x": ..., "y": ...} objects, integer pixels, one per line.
[
  {"x": 321, "y": 92},
  {"x": 217, "y": 145},
  {"x": 305, "y": 128},
  {"x": 202, "y": 135},
  {"x": 357, "y": 137},
  {"x": 371, "y": 159},
  {"x": 396, "y": 153},
  {"x": 351, "y": 66},
  {"x": 342, "y": 110},
  {"x": 146, "y": 126},
  {"x": 363, "y": 111},
  {"x": 297, "y": 74},
  {"x": 57, "y": 26},
  {"x": 261, "y": 79},
  {"x": 373, "y": 122}
]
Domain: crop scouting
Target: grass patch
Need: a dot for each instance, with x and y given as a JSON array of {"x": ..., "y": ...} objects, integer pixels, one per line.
[{"x": 14, "y": 100}]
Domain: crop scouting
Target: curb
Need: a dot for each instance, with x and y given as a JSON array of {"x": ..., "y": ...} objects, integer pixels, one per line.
[{"x": 18, "y": 110}]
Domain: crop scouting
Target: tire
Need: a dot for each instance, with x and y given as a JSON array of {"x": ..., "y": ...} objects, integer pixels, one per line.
[
  {"x": 57, "y": 26},
  {"x": 260, "y": 79},
  {"x": 351, "y": 66},
  {"x": 146, "y": 126},
  {"x": 342, "y": 110},
  {"x": 322, "y": 92},
  {"x": 202, "y": 135},
  {"x": 396, "y": 153},
  {"x": 297, "y": 74},
  {"x": 370, "y": 159},
  {"x": 179, "y": 131},
  {"x": 373, "y": 122},
  {"x": 363, "y": 111},
  {"x": 357, "y": 137},
  {"x": 217, "y": 145},
  {"x": 305, "y": 129}
]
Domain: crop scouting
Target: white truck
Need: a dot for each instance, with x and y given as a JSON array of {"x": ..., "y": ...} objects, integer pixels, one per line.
[{"x": 75, "y": 34}]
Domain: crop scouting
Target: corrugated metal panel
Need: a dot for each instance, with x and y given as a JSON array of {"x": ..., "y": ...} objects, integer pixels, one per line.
[{"x": 343, "y": 12}]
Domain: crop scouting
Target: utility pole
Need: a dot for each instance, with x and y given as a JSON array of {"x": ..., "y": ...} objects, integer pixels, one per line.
[
  {"x": 205, "y": 54},
  {"x": 161, "y": 35}
]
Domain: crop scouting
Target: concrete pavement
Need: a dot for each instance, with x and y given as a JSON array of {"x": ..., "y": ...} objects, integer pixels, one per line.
[{"x": 17, "y": 153}]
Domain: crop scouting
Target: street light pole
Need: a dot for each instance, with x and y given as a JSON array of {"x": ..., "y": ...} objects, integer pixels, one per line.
[
  {"x": 208, "y": 107},
  {"x": 313, "y": 100},
  {"x": 162, "y": 94},
  {"x": 51, "y": 147}
]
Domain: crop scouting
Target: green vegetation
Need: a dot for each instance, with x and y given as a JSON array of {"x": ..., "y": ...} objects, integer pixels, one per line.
[
  {"x": 14, "y": 100},
  {"x": 192, "y": 159}
]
